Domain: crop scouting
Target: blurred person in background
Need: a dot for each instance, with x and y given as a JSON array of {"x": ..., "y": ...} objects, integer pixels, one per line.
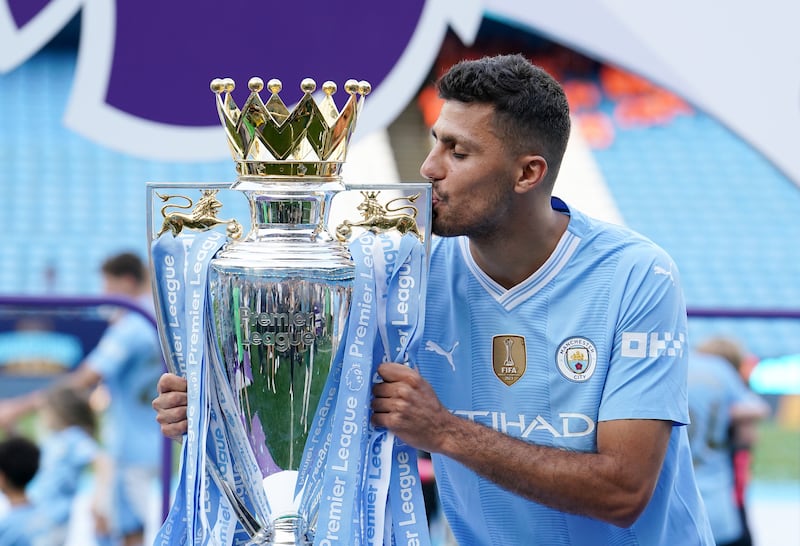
[
  {"x": 724, "y": 414},
  {"x": 127, "y": 361},
  {"x": 67, "y": 450},
  {"x": 20, "y": 525}
]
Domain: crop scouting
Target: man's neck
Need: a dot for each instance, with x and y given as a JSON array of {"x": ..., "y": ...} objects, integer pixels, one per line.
[
  {"x": 520, "y": 252},
  {"x": 16, "y": 498}
]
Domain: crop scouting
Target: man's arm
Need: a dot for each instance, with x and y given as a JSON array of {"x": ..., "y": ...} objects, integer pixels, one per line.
[
  {"x": 13, "y": 409},
  {"x": 614, "y": 485}
]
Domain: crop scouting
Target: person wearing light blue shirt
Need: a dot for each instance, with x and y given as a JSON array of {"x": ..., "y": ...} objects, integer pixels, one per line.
[
  {"x": 719, "y": 401},
  {"x": 551, "y": 382},
  {"x": 68, "y": 452},
  {"x": 128, "y": 362},
  {"x": 21, "y": 522},
  {"x": 551, "y": 386}
]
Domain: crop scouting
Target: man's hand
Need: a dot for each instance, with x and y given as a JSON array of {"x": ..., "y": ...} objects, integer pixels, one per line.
[
  {"x": 406, "y": 405},
  {"x": 170, "y": 406}
]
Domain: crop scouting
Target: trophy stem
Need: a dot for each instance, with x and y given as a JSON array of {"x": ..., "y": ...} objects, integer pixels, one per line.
[{"x": 284, "y": 533}]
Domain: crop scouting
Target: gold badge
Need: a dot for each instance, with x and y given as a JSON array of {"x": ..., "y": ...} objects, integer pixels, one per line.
[{"x": 509, "y": 358}]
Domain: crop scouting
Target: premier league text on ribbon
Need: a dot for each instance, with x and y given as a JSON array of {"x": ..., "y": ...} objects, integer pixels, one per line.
[{"x": 339, "y": 468}]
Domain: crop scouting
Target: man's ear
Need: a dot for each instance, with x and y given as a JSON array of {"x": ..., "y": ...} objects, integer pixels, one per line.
[{"x": 534, "y": 170}]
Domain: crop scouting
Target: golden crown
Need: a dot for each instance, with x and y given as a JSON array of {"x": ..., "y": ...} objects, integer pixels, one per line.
[{"x": 267, "y": 139}]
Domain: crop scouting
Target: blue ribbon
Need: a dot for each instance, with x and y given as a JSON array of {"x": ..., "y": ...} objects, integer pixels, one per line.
[
  {"x": 403, "y": 270},
  {"x": 337, "y": 523},
  {"x": 352, "y": 493},
  {"x": 200, "y": 513}
]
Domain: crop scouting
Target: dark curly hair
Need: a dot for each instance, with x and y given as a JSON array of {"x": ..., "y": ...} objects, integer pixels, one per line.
[
  {"x": 19, "y": 460},
  {"x": 531, "y": 109}
]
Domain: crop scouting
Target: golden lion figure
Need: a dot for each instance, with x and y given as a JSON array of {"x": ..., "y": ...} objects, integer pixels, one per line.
[
  {"x": 379, "y": 218},
  {"x": 202, "y": 217}
]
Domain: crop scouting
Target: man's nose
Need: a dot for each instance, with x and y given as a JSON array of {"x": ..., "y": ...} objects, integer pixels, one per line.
[{"x": 428, "y": 169}]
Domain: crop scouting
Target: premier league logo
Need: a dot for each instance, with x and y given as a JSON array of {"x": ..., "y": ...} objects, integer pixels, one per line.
[{"x": 141, "y": 82}]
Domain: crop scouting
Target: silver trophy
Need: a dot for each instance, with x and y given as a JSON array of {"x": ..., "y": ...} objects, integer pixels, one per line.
[{"x": 281, "y": 293}]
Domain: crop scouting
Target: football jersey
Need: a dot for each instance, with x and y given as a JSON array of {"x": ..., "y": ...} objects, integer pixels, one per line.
[
  {"x": 22, "y": 526},
  {"x": 128, "y": 358},
  {"x": 714, "y": 387},
  {"x": 598, "y": 333},
  {"x": 66, "y": 454}
]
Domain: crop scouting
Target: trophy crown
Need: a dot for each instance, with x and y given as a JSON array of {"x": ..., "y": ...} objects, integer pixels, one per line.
[{"x": 268, "y": 139}]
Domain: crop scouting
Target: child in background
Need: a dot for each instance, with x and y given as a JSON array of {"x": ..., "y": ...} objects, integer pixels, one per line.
[
  {"x": 19, "y": 460},
  {"x": 68, "y": 449}
]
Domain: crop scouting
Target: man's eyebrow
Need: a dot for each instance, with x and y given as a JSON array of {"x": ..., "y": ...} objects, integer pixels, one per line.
[{"x": 446, "y": 139}]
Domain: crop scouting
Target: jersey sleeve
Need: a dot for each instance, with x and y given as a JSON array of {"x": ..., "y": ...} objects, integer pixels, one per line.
[
  {"x": 122, "y": 339},
  {"x": 647, "y": 375}
]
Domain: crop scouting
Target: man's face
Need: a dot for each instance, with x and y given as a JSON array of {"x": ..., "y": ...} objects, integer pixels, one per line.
[
  {"x": 473, "y": 175},
  {"x": 119, "y": 286}
]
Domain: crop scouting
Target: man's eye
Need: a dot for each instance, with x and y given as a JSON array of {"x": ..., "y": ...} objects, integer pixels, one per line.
[{"x": 459, "y": 155}]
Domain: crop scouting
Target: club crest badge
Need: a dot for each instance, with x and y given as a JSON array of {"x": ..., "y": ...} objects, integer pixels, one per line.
[
  {"x": 509, "y": 358},
  {"x": 576, "y": 358}
]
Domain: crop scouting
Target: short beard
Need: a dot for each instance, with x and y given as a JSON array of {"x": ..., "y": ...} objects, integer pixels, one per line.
[{"x": 485, "y": 228}]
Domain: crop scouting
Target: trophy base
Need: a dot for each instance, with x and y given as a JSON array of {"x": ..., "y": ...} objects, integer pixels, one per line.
[{"x": 286, "y": 527}]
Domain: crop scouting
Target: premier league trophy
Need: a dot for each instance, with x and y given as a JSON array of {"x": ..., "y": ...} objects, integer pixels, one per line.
[{"x": 255, "y": 322}]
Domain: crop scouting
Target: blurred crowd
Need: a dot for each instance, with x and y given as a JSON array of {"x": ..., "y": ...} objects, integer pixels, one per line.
[{"x": 90, "y": 428}]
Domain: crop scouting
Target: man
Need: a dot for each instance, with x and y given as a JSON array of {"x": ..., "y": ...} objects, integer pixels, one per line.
[
  {"x": 128, "y": 362},
  {"x": 552, "y": 382},
  {"x": 725, "y": 414}
]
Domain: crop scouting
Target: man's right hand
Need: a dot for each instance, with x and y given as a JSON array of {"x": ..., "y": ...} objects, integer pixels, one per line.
[{"x": 170, "y": 406}]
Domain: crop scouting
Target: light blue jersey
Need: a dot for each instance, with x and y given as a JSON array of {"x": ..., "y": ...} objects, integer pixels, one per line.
[
  {"x": 22, "y": 526},
  {"x": 128, "y": 358},
  {"x": 598, "y": 333},
  {"x": 714, "y": 388},
  {"x": 65, "y": 455}
]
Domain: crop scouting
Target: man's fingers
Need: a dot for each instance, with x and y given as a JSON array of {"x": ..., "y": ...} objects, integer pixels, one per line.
[
  {"x": 170, "y": 382},
  {"x": 392, "y": 371},
  {"x": 172, "y": 420},
  {"x": 171, "y": 416},
  {"x": 383, "y": 405},
  {"x": 170, "y": 400},
  {"x": 174, "y": 431}
]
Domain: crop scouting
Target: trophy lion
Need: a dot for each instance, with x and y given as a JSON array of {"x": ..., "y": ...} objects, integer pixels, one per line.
[
  {"x": 378, "y": 218},
  {"x": 202, "y": 217}
]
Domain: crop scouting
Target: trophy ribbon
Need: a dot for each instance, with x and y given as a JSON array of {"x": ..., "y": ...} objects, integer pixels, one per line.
[
  {"x": 400, "y": 266},
  {"x": 390, "y": 284},
  {"x": 201, "y": 508},
  {"x": 341, "y": 481}
]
